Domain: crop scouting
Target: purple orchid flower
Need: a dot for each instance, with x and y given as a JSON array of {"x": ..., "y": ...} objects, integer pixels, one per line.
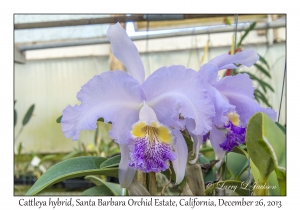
[
  {"x": 231, "y": 94},
  {"x": 146, "y": 115}
]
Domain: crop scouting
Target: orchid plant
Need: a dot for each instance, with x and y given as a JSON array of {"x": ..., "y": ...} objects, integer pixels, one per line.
[
  {"x": 146, "y": 115},
  {"x": 151, "y": 118}
]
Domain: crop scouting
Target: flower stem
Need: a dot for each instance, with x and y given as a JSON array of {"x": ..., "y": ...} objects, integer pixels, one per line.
[
  {"x": 141, "y": 177},
  {"x": 152, "y": 183}
]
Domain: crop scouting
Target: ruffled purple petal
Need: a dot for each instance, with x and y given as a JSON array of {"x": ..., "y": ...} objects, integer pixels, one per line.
[
  {"x": 205, "y": 137},
  {"x": 115, "y": 96},
  {"x": 239, "y": 91},
  {"x": 150, "y": 157},
  {"x": 125, "y": 50},
  {"x": 234, "y": 137},
  {"x": 176, "y": 91},
  {"x": 126, "y": 173},
  {"x": 181, "y": 151}
]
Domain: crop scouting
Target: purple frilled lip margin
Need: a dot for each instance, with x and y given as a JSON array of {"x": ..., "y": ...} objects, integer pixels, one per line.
[{"x": 145, "y": 113}]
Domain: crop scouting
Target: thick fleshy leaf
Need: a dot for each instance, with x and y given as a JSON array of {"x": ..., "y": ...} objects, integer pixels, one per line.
[
  {"x": 75, "y": 167},
  {"x": 111, "y": 162},
  {"x": 115, "y": 96},
  {"x": 126, "y": 173},
  {"x": 113, "y": 187},
  {"x": 125, "y": 50},
  {"x": 217, "y": 137},
  {"x": 272, "y": 180},
  {"x": 100, "y": 190},
  {"x": 239, "y": 91},
  {"x": 265, "y": 141},
  {"x": 181, "y": 151},
  {"x": 236, "y": 164},
  {"x": 208, "y": 173},
  {"x": 266, "y": 145},
  {"x": 282, "y": 128},
  {"x": 176, "y": 91}
]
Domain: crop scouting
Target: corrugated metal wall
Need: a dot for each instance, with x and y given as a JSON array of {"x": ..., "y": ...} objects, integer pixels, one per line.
[{"x": 53, "y": 84}]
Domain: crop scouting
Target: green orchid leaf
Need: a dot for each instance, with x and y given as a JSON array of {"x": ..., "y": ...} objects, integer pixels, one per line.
[
  {"x": 240, "y": 188},
  {"x": 260, "y": 95},
  {"x": 111, "y": 162},
  {"x": 71, "y": 155},
  {"x": 263, "y": 60},
  {"x": 282, "y": 128},
  {"x": 208, "y": 175},
  {"x": 251, "y": 27},
  {"x": 263, "y": 84},
  {"x": 181, "y": 186},
  {"x": 113, "y": 187},
  {"x": 236, "y": 164},
  {"x": 67, "y": 169},
  {"x": 271, "y": 139},
  {"x": 101, "y": 190},
  {"x": 262, "y": 69},
  {"x": 267, "y": 148},
  {"x": 58, "y": 119},
  {"x": 15, "y": 117},
  {"x": 20, "y": 147},
  {"x": 28, "y": 115},
  {"x": 272, "y": 180},
  {"x": 259, "y": 156},
  {"x": 47, "y": 158},
  {"x": 273, "y": 185},
  {"x": 240, "y": 150}
]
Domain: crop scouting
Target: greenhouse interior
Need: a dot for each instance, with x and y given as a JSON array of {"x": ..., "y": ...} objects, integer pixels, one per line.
[{"x": 150, "y": 104}]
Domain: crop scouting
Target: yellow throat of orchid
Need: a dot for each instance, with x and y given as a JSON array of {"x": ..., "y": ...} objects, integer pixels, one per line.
[
  {"x": 234, "y": 118},
  {"x": 154, "y": 131}
]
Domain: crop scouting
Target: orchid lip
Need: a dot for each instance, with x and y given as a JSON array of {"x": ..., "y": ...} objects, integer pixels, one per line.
[
  {"x": 151, "y": 147},
  {"x": 234, "y": 137}
]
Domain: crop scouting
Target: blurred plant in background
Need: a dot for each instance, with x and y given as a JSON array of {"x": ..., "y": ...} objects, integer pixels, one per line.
[
  {"x": 262, "y": 66},
  {"x": 19, "y": 168}
]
